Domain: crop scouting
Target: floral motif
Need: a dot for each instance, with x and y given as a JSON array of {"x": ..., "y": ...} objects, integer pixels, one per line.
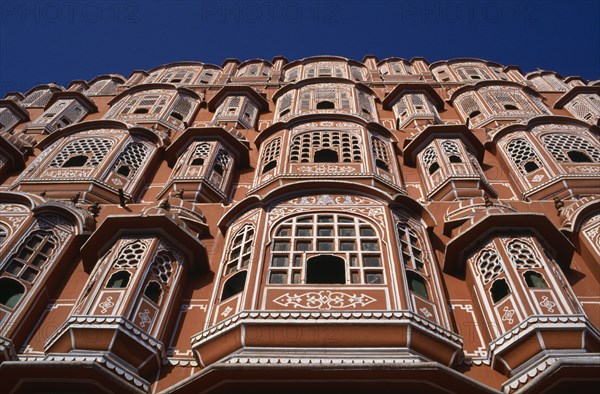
[
  {"x": 324, "y": 300},
  {"x": 106, "y": 304},
  {"x": 325, "y": 169},
  {"x": 546, "y": 303},
  {"x": 144, "y": 318},
  {"x": 508, "y": 315}
]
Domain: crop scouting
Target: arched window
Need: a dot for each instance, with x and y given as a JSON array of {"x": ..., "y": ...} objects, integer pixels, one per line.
[
  {"x": 411, "y": 248},
  {"x": 3, "y": 234},
  {"x": 522, "y": 255},
  {"x": 499, "y": 290},
  {"x": 220, "y": 167},
  {"x": 430, "y": 160},
  {"x": 326, "y": 156},
  {"x": 452, "y": 151},
  {"x": 33, "y": 253},
  {"x": 240, "y": 250},
  {"x": 489, "y": 265},
  {"x": 131, "y": 159},
  {"x": 88, "y": 152},
  {"x": 380, "y": 154},
  {"x": 270, "y": 155},
  {"x": 534, "y": 280},
  {"x": 325, "y": 269},
  {"x": 118, "y": 280},
  {"x": 234, "y": 285},
  {"x": 566, "y": 147},
  {"x": 325, "y": 105},
  {"x": 11, "y": 292},
  {"x": 153, "y": 291},
  {"x": 417, "y": 284},
  {"x": 346, "y": 145},
  {"x": 338, "y": 237},
  {"x": 200, "y": 154},
  {"x": 523, "y": 155}
]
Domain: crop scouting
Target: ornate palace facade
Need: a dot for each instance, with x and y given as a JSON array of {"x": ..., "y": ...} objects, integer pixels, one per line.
[{"x": 321, "y": 224}]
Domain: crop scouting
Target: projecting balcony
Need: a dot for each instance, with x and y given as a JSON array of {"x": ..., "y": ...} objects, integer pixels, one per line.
[{"x": 293, "y": 334}]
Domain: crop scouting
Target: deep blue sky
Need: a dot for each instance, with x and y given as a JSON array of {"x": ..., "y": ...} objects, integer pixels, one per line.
[{"x": 55, "y": 40}]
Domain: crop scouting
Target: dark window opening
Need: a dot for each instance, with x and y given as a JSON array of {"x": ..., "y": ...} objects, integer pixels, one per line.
[
  {"x": 475, "y": 77},
  {"x": 417, "y": 284},
  {"x": 499, "y": 290},
  {"x": 511, "y": 107},
  {"x": 124, "y": 170},
  {"x": 141, "y": 111},
  {"x": 325, "y": 105},
  {"x": 454, "y": 159},
  {"x": 474, "y": 114},
  {"x": 177, "y": 115},
  {"x": 118, "y": 280},
  {"x": 153, "y": 291},
  {"x": 579, "y": 157},
  {"x": 326, "y": 156},
  {"x": 1, "y": 126},
  {"x": 218, "y": 169},
  {"x": 531, "y": 166},
  {"x": 433, "y": 168},
  {"x": 11, "y": 292},
  {"x": 533, "y": 279},
  {"x": 284, "y": 112},
  {"x": 65, "y": 120},
  {"x": 176, "y": 80},
  {"x": 366, "y": 111},
  {"x": 330, "y": 270},
  {"x": 198, "y": 161},
  {"x": 269, "y": 166},
  {"x": 381, "y": 164},
  {"x": 76, "y": 161},
  {"x": 234, "y": 285}
]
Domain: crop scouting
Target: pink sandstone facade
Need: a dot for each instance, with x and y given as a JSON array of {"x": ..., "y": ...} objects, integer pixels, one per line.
[{"x": 321, "y": 224}]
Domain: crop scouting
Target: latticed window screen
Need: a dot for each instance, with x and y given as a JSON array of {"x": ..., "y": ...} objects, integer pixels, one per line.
[
  {"x": 149, "y": 103},
  {"x": 7, "y": 119},
  {"x": 130, "y": 255},
  {"x": 366, "y": 104},
  {"x": 450, "y": 148},
  {"x": 561, "y": 144},
  {"x": 3, "y": 234},
  {"x": 357, "y": 73},
  {"x": 347, "y": 146},
  {"x": 410, "y": 248},
  {"x": 380, "y": 154},
  {"x": 102, "y": 88},
  {"x": 33, "y": 253},
  {"x": 201, "y": 152},
  {"x": 430, "y": 160},
  {"x": 240, "y": 250},
  {"x": 162, "y": 266},
  {"x": 271, "y": 154},
  {"x": 95, "y": 149},
  {"x": 298, "y": 239},
  {"x": 489, "y": 265},
  {"x": 472, "y": 73},
  {"x": 469, "y": 105},
  {"x": 250, "y": 112},
  {"x": 183, "y": 77},
  {"x": 523, "y": 155},
  {"x": 132, "y": 157},
  {"x": 291, "y": 75},
  {"x": 182, "y": 107},
  {"x": 220, "y": 167},
  {"x": 522, "y": 255},
  {"x": 39, "y": 98},
  {"x": 285, "y": 103}
]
